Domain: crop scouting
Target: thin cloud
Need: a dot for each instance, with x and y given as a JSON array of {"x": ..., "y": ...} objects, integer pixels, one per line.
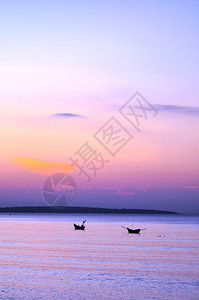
[
  {"x": 66, "y": 115},
  {"x": 119, "y": 191},
  {"x": 191, "y": 187},
  {"x": 178, "y": 109},
  {"x": 110, "y": 190}
]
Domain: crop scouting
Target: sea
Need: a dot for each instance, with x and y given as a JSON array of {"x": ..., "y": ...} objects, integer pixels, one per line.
[{"x": 43, "y": 257}]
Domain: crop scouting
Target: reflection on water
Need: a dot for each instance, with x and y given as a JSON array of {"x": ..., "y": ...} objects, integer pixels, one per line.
[{"x": 42, "y": 257}]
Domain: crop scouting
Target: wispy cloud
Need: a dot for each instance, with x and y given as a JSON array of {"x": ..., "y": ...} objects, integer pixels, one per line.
[
  {"x": 191, "y": 187},
  {"x": 66, "y": 115},
  {"x": 41, "y": 167},
  {"x": 178, "y": 109},
  {"x": 113, "y": 190},
  {"x": 125, "y": 192}
]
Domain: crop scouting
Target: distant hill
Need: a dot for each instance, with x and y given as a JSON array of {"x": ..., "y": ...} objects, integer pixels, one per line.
[{"x": 73, "y": 209}]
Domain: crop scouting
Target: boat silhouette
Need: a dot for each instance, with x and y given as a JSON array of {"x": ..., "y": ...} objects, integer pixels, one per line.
[
  {"x": 136, "y": 231},
  {"x": 80, "y": 227}
]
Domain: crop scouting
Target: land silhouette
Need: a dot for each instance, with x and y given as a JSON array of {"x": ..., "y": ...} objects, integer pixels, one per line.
[{"x": 77, "y": 209}]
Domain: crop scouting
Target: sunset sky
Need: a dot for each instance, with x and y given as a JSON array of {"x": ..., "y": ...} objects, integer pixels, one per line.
[{"x": 67, "y": 67}]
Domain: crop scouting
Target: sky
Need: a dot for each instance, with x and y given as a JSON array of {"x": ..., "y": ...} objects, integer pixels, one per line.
[{"x": 69, "y": 73}]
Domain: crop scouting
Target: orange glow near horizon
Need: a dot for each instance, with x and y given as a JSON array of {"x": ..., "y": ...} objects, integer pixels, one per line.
[{"x": 41, "y": 167}]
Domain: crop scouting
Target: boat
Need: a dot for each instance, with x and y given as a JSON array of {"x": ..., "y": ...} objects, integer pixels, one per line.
[
  {"x": 80, "y": 227},
  {"x": 136, "y": 231},
  {"x": 133, "y": 230}
]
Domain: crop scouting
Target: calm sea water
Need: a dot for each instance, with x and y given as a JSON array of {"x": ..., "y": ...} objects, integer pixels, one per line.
[{"x": 42, "y": 257}]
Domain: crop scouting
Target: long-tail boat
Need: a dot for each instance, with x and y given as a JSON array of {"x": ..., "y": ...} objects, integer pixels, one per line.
[
  {"x": 136, "y": 231},
  {"x": 80, "y": 227}
]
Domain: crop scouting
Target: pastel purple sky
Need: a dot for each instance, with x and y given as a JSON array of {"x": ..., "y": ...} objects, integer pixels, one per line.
[{"x": 67, "y": 67}]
